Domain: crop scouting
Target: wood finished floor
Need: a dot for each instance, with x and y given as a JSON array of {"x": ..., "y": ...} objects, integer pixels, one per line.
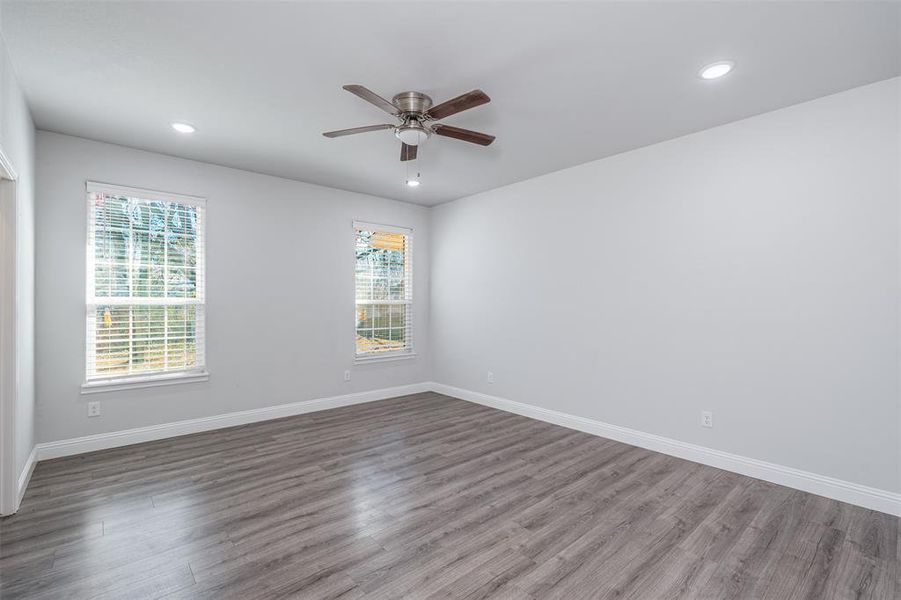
[{"x": 428, "y": 497}]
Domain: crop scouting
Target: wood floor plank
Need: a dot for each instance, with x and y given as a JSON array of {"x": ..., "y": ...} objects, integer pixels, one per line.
[{"x": 426, "y": 496}]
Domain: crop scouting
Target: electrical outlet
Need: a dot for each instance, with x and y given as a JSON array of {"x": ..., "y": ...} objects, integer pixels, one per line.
[
  {"x": 490, "y": 377},
  {"x": 706, "y": 418},
  {"x": 93, "y": 409},
  {"x": 347, "y": 375}
]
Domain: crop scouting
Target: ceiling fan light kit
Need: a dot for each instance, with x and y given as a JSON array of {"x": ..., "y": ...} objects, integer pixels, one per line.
[
  {"x": 412, "y": 133},
  {"x": 417, "y": 116}
]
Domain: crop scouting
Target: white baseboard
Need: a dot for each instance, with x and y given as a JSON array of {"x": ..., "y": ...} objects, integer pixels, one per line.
[
  {"x": 25, "y": 475},
  {"x": 837, "y": 489},
  {"x": 115, "y": 439}
]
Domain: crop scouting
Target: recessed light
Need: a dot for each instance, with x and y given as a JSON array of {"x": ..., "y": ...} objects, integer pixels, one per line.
[
  {"x": 412, "y": 182},
  {"x": 183, "y": 127},
  {"x": 717, "y": 69}
]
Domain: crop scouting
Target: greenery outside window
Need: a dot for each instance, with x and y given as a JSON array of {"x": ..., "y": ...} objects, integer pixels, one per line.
[
  {"x": 384, "y": 291},
  {"x": 145, "y": 284}
]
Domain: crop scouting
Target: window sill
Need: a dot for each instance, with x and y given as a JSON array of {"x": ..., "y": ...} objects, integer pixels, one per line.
[
  {"x": 364, "y": 360},
  {"x": 132, "y": 383}
]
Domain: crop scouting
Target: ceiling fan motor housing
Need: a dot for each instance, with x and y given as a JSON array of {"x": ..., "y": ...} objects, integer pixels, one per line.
[
  {"x": 412, "y": 107},
  {"x": 413, "y": 103}
]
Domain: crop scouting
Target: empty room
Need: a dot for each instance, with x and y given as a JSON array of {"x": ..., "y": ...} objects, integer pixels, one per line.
[{"x": 520, "y": 300}]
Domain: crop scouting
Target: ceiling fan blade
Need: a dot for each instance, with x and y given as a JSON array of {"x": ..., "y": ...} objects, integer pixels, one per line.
[
  {"x": 459, "y": 104},
  {"x": 466, "y": 135},
  {"x": 407, "y": 152},
  {"x": 353, "y": 130},
  {"x": 373, "y": 98}
]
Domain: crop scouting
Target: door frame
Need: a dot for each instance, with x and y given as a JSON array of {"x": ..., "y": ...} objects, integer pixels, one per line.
[{"x": 9, "y": 479}]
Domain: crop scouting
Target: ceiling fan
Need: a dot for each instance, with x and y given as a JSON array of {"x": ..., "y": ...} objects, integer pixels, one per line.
[{"x": 417, "y": 118}]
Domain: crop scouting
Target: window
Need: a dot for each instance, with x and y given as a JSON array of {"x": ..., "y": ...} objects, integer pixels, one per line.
[
  {"x": 384, "y": 292},
  {"x": 145, "y": 285}
]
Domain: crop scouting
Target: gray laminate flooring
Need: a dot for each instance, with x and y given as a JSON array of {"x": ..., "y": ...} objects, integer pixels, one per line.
[{"x": 428, "y": 497}]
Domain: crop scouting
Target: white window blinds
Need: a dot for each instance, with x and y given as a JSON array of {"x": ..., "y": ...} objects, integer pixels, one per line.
[
  {"x": 384, "y": 290},
  {"x": 145, "y": 283}
]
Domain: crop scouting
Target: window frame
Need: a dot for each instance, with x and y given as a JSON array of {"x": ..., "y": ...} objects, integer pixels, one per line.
[
  {"x": 152, "y": 378},
  {"x": 409, "y": 350}
]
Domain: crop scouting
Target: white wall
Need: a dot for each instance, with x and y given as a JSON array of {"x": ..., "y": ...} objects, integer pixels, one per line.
[
  {"x": 17, "y": 140},
  {"x": 751, "y": 270},
  {"x": 280, "y": 324}
]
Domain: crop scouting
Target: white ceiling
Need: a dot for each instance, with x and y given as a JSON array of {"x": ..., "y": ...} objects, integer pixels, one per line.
[{"x": 569, "y": 83}]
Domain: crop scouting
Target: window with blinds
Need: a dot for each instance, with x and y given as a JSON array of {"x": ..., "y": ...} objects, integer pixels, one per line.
[
  {"x": 384, "y": 291},
  {"x": 145, "y": 284}
]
